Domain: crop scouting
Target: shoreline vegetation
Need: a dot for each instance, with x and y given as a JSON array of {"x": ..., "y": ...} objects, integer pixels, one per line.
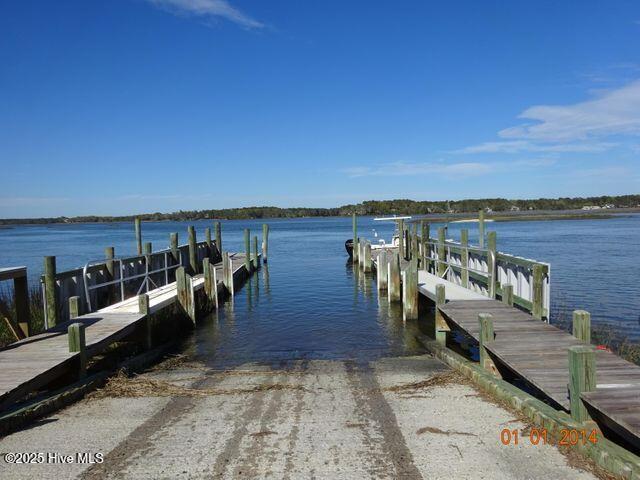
[{"x": 498, "y": 209}]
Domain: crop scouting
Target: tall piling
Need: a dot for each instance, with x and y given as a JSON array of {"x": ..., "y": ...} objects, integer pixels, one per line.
[
  {"x": 382, "y": 271},
  {"x": 137, "y": 224},
  {"x": 50, "y": 288},
  {"x": 442, "y": 253},
  {"x": 256, "y": 259},
  {"x": 492, "y": 263},
  {"x": 394, "y": 278},
  {"x": 247, "y": 250},
  {"x": 193, "y": 251},
  {"x": 265, "y": 242},
  {"x": 410, "y": 291},
  {"x": 218, "y": 232}
]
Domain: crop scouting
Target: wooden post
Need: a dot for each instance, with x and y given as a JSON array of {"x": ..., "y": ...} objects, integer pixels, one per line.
[
  {"x": 415, "y": 253},
  {"x": 138, "y": 229},
  {"x": 507, "y": 294},
  {"x": 21, "y": 298},
  {"x": 148, "y": 248},
  {"x": 401, "y": 237},
  {"x": 265, "y": 242},
  {"x": 50, "y": 288},
  {"x": 173, "y": 243},
  {"x": 354, "y": 226},
  {"x": 410, "y": 291},
  {"x": 582, "y": 326},
  {"x": 481, "y": 228},
  {"x": 582, "y": 378},
  {"x": 354, "y": 252},
  {"x": 442, "y": 253},
  {"x": 367, "y": 257},
  {"x": 210, "y": 281},
  {"x": 207, "y": 239},
  {"x": 218, "y": 231},
  {"x": 193, "y": 250},
  {"x": 537, "y": 307},
  {"x": 186, "y": 298},
  {"x": 394, "y": 278},
  {"x": 256, "y": 260},
  {"x": 143, "y": 308},
  {"x": 441, "y": 326},
  {"x": 77, "y": 343},
  {"x": 74, "y": 307},
  {"x": 464, "y": 257},
  {"x": 426, "y": 247},
  {"x": 247, "y": 250},
  {"x": 486, "y": 336},
  {"x": 492, "y": 263},
  {"x": 382, "y": 271},
  {"x": 227, "y": 275}
]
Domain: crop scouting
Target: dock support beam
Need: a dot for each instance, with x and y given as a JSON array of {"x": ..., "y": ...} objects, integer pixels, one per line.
[
  {"x": 382, "y": 270},
  {"x": 492, "y": 263},
  {"x": 193, "y": 251},
  {"x": 401, "y": 239},
  {"x": 442, "y": 267},
  {"x": 50, "y": 291},
  {"x": 354, "y": 226},
  {"x": 481, "y": 228},
  {"x": 441, "y": 327},
  {"x": 354, "y": 253},
  {"x": 207, "y": 239},
  {"x": 74, "y": 307},
  {"x": 210, "y": 281},
  {"x": 410, "y": 291},
  {"x": 582, "y": 326},
  {"x": 507, "y": 294},
  {"x": 464, "y": 257},
  {"x": 227, "y": 272},
  {"x": 537, "y": 307},
  {"x": 394, "y": 278},
  {"x": 186, "y": 298},
  {"x": 218, "y": 231},
  {"x": 486, "y": 336},
  {"x": 137, "y": 225},
  {"x": 143, "y": 308},
  {"x": 78, "y": 344},
  {"x": 247, "y": 250},
  {"x": 256, "y": 259},
  {"x": 366, "y": 264},
  {"x": 148, "y": 248},
  {"x": 415, "y": 252},
  {"x": 426, "y": 247},
  {"x": 582, "y": 378},
  {"x": 265, "y": 242},
  {"x": 173, "y": 244}
]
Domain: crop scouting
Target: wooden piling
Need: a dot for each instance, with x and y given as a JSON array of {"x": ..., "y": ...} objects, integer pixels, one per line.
[
  {"x": 210, "y": 281},
  {"x": 74, "y": 307},
  {"x": 21, "y": 298},
  {"x": 227, "y": 275},
  {"x": 247, "y": 250},
  {"x": 426, "y": 247},
  {"x": 382, "y": 271},
  {"x": 507, "y": 294},
  {"x": 193, "y": 250},
  {"x": 143, "y": 308},
  {"x": 582, "y": 326},
  {"x": 442, "y": 252},
  {"x": 50, "y": 291},
  {"x": 78, "y": 344},
  {"x": 265, "y": 242},
  {"x": 464, "y": 257},
  {"x": 256, "y": 259},
  {"x": 354, "y": 226},
  {"x": 582, "y": 378},
  {"x": 401, "y": 238},
  {"x": 410, "y": 291},
  {"x": 137, "y": 224},
  {"x": 415, "y": 252},
  {"x": 491, "y": 263},
  {"x": 186, "y": 298},
  {"x": 441, "y": 327},
  {"x": 148, "y": 248},
  {"x": 207, "y": 239},
  {"x": 354, "y": 252},
  {"x": 218, "y": 231},
  {"x": 481, "y": 228},
  {"x": 367, "y": 257},
  {"x": 486, "y": 336},
  {"x": 394, "y": 278},
  {"x": 173, "y": 244},
  {"x": 537, "y": 306}
]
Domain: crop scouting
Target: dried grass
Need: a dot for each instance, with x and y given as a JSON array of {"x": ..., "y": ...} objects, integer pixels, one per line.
[
  {"x": 122, "y": 386},
  {"x": 422, "y": 430},
  {"x": 438, "y": 380}
]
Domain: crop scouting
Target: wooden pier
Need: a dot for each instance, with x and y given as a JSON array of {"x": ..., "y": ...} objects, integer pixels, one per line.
[
  {"x": 561, "y": 368},
  {"x": 62, "y": 351}
]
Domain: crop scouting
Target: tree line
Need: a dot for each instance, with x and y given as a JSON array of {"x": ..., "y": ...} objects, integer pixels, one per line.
[{"x": 370, "y": 207}]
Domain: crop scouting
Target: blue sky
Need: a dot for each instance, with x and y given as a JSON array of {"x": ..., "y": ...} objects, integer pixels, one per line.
[{"x": 128, "y": 106}]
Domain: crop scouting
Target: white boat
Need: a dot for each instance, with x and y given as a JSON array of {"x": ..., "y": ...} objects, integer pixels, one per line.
[{"x": 395, "y": 239}]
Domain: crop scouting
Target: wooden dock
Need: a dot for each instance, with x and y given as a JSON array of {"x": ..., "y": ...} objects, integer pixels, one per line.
[{"x": 521, "y": 345}]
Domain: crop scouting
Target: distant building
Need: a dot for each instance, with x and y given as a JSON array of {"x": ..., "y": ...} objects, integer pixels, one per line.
[
  {"x": 514, "y": 208},
  {"x": 487, "y": 210},
  {"x": 591, "y": 207}
]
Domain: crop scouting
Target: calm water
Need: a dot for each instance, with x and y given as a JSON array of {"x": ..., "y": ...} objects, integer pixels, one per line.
[{"x": 310, "y": 302}]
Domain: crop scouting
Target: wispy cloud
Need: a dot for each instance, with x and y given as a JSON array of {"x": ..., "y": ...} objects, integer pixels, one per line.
[
  {"x": 616, "y": 112},
  {"x": 427, "y": 168},
  {"x": 209, "y": 10},
  {"x": 517, "y": 146}
]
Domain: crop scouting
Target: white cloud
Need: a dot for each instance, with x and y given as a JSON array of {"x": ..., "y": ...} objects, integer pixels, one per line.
[
  {"x": 516, "y": 146},
  {"x": 209, "y": 9},
  {"x": 616, "y": 112}
]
